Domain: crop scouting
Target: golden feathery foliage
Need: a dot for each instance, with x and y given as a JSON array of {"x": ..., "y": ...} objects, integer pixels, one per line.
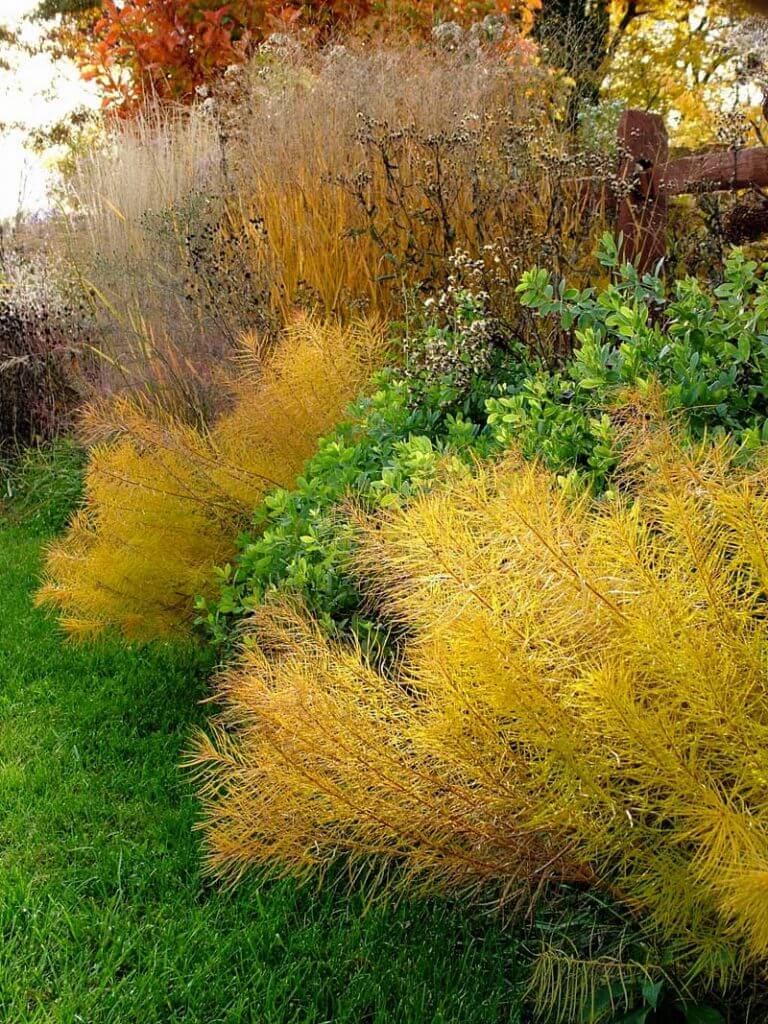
[
  {"x": 583, "y": 694},
  {"x": 313, "y": 756},
  {"x": 164, "y": 501}
]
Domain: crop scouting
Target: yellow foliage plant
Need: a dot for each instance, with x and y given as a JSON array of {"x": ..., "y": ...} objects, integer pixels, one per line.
[
  {"x": 583, "y": 695},
  {"x": 165, "y": 501}
]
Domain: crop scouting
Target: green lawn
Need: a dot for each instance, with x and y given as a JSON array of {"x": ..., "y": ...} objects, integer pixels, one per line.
[{"x": 104, "y": 912}]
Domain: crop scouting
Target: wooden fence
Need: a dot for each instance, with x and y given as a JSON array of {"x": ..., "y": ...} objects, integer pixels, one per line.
[{"x": 642, "y": 213}]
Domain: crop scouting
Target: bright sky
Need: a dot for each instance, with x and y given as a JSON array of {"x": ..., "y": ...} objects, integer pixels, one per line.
[{"x": 36, "y": 92}]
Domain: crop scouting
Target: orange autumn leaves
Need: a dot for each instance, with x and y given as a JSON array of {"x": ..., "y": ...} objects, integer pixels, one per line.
[{"x": 167, "y": 49}]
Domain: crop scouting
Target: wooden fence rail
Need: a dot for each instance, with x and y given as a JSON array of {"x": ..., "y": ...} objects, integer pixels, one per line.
[{"x": 643, "y": 212}]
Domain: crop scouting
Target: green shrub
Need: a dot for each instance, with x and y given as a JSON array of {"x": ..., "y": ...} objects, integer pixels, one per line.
[
  {"x": 463, "y": 392},
  {"x": 568, "y": 428},
  {"x": 390, "y": 444},
  {"x": 707, "y": 349}
]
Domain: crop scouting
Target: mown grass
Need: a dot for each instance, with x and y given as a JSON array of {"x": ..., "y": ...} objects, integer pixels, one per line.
[{"x": 104, "y": 911}]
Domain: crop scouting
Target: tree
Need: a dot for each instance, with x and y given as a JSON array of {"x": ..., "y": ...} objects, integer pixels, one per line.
[
  {"x": 677, "y": 60},
  {"x": 51, "y": 8},
  {"x": 7, "y": 39},
  {"x": 669, "y": 56},
  {"x": 665, "y": 55},
  {"x": 575, "y": 36},
  {"x": 166, "y": 49}
]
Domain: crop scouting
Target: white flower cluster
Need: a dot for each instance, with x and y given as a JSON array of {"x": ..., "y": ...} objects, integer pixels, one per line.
[
  {"x": 281, "y": 45},
  {"x": 458, "y": 345},
  {"x": 451, "y": 36},
  {"x": 733, "y": 129},
  {"x": 31, "y": 287}
]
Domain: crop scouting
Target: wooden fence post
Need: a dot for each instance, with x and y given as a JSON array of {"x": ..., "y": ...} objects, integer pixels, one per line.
[{"x": 642, "y": 213}]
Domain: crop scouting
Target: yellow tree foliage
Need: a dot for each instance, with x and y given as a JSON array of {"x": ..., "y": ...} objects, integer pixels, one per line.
[
  {"x": 676, "y": 59},
  {"x": 583, "y": 695},
  {"x": 164, "y": 502}
]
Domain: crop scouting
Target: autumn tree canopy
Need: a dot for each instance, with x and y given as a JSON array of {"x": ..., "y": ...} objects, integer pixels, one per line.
[
  {"x": 675, "y": 58},
  {"x": 669, "y": 56},
  {"x": 165, "y": 49}
]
